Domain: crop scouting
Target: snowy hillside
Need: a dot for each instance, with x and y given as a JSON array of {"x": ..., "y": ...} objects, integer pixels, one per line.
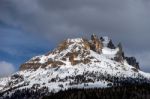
[{"x": 76, "y": 63}]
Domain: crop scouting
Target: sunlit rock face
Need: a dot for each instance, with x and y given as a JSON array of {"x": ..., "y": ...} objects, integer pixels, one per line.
[{"x": 96, "y": 44}]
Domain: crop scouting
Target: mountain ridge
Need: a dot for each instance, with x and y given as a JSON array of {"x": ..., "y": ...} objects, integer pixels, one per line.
[{"x": 94, "y": 44}]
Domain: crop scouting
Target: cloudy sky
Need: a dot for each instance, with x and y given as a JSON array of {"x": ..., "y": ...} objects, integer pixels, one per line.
[{"x": 33, "y": 27}]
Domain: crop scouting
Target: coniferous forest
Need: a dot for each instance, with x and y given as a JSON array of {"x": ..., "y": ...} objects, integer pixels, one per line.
[
  {"x": 128, "y": 91},
  {"x": 124, "y": 92}
]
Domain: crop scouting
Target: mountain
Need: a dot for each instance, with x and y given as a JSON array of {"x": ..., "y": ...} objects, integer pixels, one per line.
[{"x": 75, "y": 63}]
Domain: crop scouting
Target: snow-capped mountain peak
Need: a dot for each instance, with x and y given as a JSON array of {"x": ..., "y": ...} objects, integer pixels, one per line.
[{"x": 75, "y": 63}]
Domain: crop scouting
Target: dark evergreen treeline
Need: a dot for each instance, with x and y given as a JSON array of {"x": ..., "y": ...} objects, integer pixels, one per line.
[
  {"x": 26, "y": 93},
  {"x": 122, "y": 92},
  {"x": 128, "y": 91}
]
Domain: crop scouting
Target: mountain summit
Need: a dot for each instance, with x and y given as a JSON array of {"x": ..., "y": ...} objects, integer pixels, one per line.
[
  {"x": 77, "y": 51},
  {"x": 76, "y": 63}
]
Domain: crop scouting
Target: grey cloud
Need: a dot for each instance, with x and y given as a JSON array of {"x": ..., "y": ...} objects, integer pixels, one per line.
[
  {"x": 127, "y": 21},
  {"x": 6, "y": 68},
  {"x": 52, "y": 16}
]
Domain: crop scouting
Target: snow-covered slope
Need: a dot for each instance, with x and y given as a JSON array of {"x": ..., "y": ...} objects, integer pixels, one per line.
[{"x": 76, "y": 63}]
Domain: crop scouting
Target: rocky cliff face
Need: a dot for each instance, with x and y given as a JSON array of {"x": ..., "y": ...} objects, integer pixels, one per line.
[
  {"x": 96, "y": 44},
  {"x": 80, "y": 48}
]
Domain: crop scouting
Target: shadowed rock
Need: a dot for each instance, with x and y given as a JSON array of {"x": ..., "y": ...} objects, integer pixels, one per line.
[
  {"x": 132, "y": 61},
  {"x": 111, "y": 45},
  {"x": 120, "y": 54}
]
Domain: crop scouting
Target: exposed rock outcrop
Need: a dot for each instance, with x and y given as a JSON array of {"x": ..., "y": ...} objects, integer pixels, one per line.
[
  {"x": 72, "y": 57},
  {"x": 96, "y": 44},
  {"x": 120, "y": 54},
  {"x": 52, "y": 63},
  {"x": 26, "y": 66},
  {"x": 111, "y": 45},
  {"x": 132, "y": 61},
  {"x": 86, "y": 44},
  {"x": 63, "y": 45}
]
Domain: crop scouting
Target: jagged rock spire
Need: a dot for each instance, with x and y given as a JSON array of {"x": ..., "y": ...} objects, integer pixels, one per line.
[
  {"x": 132, "y": 61},
  {"x": 93, "y": 37},
  {"x": 120, "y": 54},
  {"x": 96, "y": 43},
  {"x": 111, "y": 45},
  {"x": 120, "y": 47}
]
